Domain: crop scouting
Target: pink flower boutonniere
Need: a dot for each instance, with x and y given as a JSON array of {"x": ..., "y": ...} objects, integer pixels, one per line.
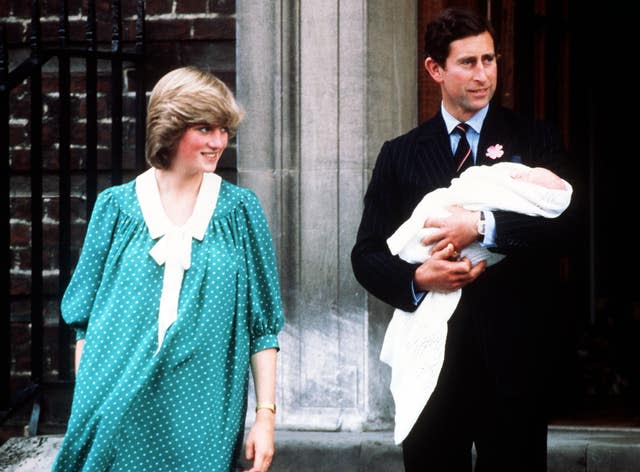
[{"x": 495, "y": 151}]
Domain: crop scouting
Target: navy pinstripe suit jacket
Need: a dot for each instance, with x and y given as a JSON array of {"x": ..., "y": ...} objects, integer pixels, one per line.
[
  {"x": 420, "y": 161},
  {"x": 512, "y": 308}
]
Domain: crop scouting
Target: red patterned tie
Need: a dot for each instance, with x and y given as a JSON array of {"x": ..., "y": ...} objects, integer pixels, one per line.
[{"x": 462, "y": 157}]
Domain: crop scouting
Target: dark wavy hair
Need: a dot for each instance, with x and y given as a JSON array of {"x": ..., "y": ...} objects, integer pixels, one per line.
[{"x": 450, "y": 25}]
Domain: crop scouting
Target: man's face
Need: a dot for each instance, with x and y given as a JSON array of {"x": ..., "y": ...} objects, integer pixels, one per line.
[{"x": 469, "y": 77}]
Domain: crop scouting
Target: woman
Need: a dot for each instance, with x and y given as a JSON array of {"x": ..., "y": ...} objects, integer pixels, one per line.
[{"x": 175, "y": 294}]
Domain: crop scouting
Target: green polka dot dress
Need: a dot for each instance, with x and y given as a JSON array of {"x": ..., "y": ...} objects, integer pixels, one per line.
[{"x": 176, "y": 404}]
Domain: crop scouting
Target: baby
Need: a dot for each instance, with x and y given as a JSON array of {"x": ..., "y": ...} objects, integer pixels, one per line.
[
  {"x": 414, "y": 342},
  {"x": 539, "y": 176},
  {"x": 507, "y": 186}
]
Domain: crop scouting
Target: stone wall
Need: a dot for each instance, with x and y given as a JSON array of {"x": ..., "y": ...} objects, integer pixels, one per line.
[{"x": 324, "y": 84}]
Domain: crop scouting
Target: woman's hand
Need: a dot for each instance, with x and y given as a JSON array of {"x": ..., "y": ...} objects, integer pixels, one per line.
[
  {"x": 260, "y": 444},
  {"x": 260, "y": 440}
]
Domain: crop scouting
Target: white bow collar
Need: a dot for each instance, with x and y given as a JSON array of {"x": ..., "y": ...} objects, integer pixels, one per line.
[{"x": 174, "y": 247}]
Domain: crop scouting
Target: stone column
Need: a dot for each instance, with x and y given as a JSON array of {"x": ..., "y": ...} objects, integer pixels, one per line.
[{"x": 324, "y": 83}]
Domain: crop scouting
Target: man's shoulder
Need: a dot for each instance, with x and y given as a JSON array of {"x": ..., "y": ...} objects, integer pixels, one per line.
[
  {"x": 533, "y": 141},
  {"x": 507, "y": 118},
  {"x": 423, "y": 131}
]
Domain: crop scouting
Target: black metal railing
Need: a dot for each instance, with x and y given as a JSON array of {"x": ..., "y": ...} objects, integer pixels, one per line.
[{"x": 31, "y": 70}]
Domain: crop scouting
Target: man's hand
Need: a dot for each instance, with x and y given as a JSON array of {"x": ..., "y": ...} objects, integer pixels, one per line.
[
  {"x": 459, "y": 229},
  {"x": 260, "y": 446},
  {"x": 443, "y": 273}
]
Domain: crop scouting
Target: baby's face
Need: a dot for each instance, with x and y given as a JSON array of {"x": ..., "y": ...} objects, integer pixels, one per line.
[{"x": 539, "y": 176}]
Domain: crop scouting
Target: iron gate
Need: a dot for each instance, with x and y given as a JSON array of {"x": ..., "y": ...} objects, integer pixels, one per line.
[{"x": 90, "y": 52}]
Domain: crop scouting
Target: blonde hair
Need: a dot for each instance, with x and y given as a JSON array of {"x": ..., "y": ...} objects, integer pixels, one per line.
[{"x": 182, "y": 98}]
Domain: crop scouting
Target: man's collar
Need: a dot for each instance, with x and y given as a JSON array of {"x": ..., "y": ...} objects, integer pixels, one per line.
[{"x": 475, "y": 122}]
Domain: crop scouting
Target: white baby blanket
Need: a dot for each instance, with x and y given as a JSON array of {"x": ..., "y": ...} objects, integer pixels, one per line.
[{"x": 414, "y": 342}]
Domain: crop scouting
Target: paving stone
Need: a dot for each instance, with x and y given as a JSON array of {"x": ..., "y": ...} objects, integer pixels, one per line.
[{"x": 570, "y": 450}]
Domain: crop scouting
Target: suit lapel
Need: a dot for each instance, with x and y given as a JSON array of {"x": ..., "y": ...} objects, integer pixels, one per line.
[
  {"x": 434, "y": 145},
  {"x": 434, "y": 149},
  {"x": 489, "y": 136},
  {"x": 497, "y": 129}
]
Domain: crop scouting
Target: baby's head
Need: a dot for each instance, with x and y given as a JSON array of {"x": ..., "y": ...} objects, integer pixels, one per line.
[{"x": 539, "y": 176}]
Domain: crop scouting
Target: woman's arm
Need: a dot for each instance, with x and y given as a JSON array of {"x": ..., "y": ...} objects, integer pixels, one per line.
[
  {"x": 79, "y": 348},
  {"x": 260, "y": 441}
]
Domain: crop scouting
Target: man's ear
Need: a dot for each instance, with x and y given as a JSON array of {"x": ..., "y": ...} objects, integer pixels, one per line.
[{"x": 434, "y": 69}]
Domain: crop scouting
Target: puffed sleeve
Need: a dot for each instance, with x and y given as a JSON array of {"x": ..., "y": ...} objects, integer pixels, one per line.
[
  {"x": 80, "y": 295},
  {"x": 264, "y": 304}
]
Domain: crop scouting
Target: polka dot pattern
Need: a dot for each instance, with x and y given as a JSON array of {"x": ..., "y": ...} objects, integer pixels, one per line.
[{"x": 184, "y": 408}]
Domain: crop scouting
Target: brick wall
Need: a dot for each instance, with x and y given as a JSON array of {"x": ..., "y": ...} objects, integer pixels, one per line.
[{"x": 178, "y": 32}]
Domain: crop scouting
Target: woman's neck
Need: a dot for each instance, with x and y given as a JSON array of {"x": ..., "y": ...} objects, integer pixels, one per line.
[{"x": 178, "y": 193}]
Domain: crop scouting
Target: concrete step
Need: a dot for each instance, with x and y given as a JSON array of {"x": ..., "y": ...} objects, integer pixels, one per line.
[{"x": 570, "y": 450}]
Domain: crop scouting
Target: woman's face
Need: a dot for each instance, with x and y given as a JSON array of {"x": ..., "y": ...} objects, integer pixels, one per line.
[{"x": 200, "y": 149}]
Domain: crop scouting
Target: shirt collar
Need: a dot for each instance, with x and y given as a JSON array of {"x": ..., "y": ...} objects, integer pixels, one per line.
[
  {"x": 154, "y": 215},
  {"x": 475, "y": 122}
]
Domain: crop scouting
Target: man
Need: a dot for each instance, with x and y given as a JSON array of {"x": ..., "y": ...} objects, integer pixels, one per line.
[{"x": 489, "y": 392}]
